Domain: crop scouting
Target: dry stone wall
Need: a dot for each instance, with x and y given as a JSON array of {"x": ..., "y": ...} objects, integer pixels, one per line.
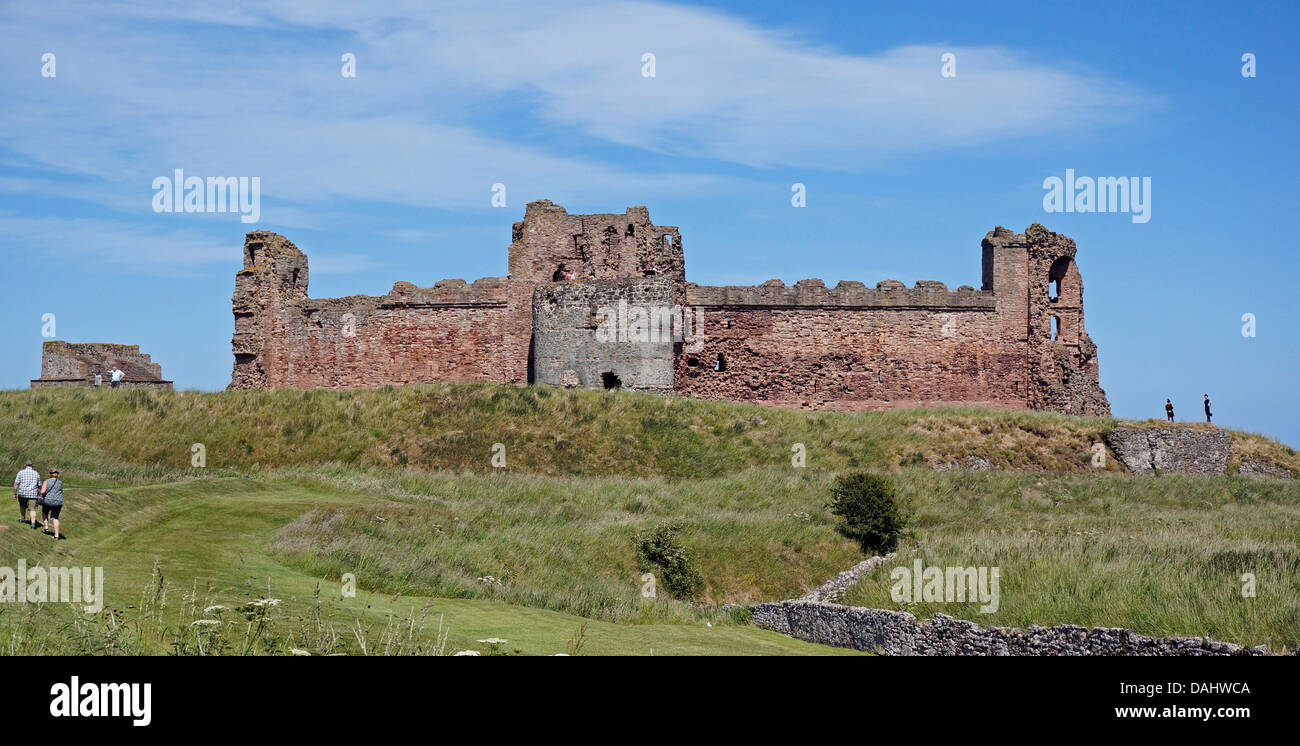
[{"x": 899, "y": 633}]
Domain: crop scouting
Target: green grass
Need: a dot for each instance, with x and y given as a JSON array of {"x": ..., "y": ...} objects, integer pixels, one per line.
[
  {"x": 213, "y": 537},
  {"x": 397, "y": 487},
  {"x": 1162, "y": 556},
  {"x": 568, "y": 543},
  {"x": 140, "y": 434}
]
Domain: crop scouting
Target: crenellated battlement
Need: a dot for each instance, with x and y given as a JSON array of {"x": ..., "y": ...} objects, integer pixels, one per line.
[{"x": 847, "y": 294}]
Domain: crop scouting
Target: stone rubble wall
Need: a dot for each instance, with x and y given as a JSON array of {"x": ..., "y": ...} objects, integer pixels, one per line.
[
  {"x": 1147, "y": 450},
  {"x": 1255, "y": 468},
  {"x": 899, "y": 633},
  {"x": 833, "y": 588}
]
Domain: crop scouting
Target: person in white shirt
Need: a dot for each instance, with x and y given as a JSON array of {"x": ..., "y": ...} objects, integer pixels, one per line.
[{"x": 117, "y": 377}]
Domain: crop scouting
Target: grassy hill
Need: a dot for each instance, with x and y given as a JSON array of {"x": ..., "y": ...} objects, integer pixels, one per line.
[
  {"x": 145, "y": 434},
  {"x": 398, "y": 487}
]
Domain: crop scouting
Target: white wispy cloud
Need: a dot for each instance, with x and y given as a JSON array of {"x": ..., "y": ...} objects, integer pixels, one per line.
[{"x": 450, "y": 98}]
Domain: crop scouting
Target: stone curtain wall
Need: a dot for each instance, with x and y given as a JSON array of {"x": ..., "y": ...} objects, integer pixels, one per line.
[
  {"x": 849, "y": 347},
  {"x": 852, "y": 348},
  {"x": 900, "y": 633},
  {"x": 454, "y": 331}
]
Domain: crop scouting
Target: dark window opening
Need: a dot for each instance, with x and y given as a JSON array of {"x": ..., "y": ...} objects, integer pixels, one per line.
[
  {"x": 1055, "y": 275},
  {"x": 726, "y": 323},
  {"x": 721, "y": 364},
  {"x": 560, "y": 274},
  {"x": 650, "y": 273},
  {"x": 1056, "y": 327},
  {"x": 692, "y": 362},
  {"x": 610, "y": 381},
  {"x": 295, "y": 276}
]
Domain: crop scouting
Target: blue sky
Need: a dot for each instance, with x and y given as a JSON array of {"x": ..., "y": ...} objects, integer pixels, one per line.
[{"x": 387, "y": 176}]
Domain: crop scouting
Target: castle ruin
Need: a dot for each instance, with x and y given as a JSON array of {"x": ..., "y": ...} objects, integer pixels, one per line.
[
  {"x": 65, "y": 364},
  {"x": 1017, "y": 342}
]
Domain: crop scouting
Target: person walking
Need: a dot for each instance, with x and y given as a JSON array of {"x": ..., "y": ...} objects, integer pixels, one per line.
[
  {"x": 52, "y": 502},
  {"x": 27, "y": 491},
  {"x": 116, "y": 377},
  {"x": 1169, "y": 410},
  {"x": 1208, "y": 413}
]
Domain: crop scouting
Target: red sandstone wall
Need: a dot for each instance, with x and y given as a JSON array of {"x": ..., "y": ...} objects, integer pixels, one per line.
[
  {"x": 605, "y": 246},
  {"x": 454, "y": 331},
  {"x": 399, "y": 346},
  {"x": 854, "y": 359}
]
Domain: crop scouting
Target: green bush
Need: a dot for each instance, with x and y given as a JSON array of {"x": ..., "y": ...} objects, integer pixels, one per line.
[
  {"x": 873, "y": 514},
  {"x": 659, "y": 548}
]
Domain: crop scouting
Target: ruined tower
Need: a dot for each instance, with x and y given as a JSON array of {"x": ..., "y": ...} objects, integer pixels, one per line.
[
  {"x": 1061, "y": 359},
  {"x": 274, "y": 277}
]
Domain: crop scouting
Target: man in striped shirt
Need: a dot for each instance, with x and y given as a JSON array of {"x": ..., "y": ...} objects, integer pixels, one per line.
[{"x": 26, "y": 489}]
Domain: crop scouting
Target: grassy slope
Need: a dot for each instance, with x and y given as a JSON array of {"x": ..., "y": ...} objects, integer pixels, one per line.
[
  {"x": 1163, "y": 556},
  {"x": 420, "y": 510},
  {"x": 213, "y": 535},
  {"x": 544, "y": 430}
]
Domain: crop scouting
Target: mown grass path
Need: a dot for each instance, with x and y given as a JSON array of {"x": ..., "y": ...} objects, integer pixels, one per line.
[{"x": 214, "y": 534}]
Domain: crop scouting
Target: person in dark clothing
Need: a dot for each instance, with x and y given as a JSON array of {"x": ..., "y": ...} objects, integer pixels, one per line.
[
  {"x": 1208, "y": 413},
  {"x": 1169, "y": 410},
  {"x": 52, "y": 502}
]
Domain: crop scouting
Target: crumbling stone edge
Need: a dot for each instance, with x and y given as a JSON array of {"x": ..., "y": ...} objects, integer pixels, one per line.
[
  {"x": 813, "y": 619},
  {"x": 831, "y": 590}
]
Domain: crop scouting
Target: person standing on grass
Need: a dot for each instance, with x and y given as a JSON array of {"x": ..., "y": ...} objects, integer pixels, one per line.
[
  {"x": 99, "y": 378},
  {"x": 52, "y": 502},
  {"x": 1169, "y": 410},
  {"x": 117, "y": 377},
  {"x": 27, "y": 491}
]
